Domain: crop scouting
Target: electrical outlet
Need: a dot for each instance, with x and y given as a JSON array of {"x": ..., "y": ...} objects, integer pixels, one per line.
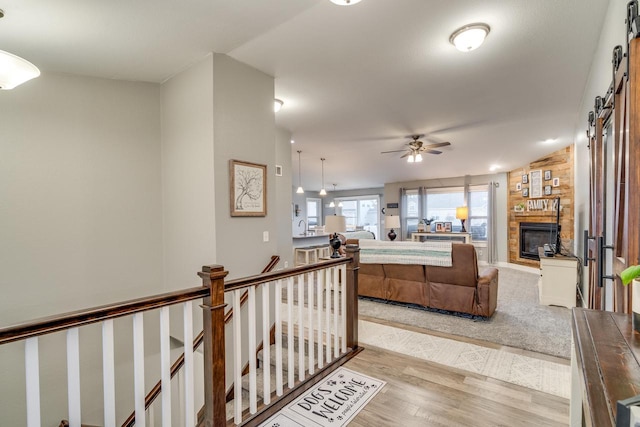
[
  {"x": 286, "y": 264},
  {"x": 480, "y": 252},
  {"x": 265, "y": 236}
]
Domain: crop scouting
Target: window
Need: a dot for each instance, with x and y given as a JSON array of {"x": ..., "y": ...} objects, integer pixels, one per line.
[
  {"x": 413, "y": 213},
  {"x": 478, "y": 213},
  {"x": 442, "y": 204},
  {"x": 361, "y": 213},
  {"x": 314, "y": 212}
]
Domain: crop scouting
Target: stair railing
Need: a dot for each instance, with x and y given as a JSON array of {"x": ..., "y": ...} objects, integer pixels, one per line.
[
  {"x": 179, "y": 363},
  {"x": 342, "y": 330}
]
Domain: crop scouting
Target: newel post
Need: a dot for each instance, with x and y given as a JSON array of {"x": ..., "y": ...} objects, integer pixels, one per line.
[
  {"x": 214, "y": 366},
  {"x": 353, "y": 252}
]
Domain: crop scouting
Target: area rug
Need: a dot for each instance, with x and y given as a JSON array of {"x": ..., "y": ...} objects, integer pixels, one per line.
[
  {"x": 334, "y": 401},
  {"x": 519, "y": 321}
]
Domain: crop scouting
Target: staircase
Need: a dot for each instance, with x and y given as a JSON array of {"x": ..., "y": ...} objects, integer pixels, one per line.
[{"x": 324, "y": 323}]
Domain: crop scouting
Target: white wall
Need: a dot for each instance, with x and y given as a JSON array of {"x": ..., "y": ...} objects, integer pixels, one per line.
[
  {"x": 80, "y": 197},
  {"x": 188, "y": 197},
  {"x": 613, "y": 34},
  {"x": 244, "y": 129},
  {"x": 283, "y": 210},
  {"x": 80, "y": 215}
]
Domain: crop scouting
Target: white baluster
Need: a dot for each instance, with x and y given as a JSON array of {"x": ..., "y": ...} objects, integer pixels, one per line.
[
  {"x": 32, "y": 368},
  {"x": 343, "y": 310},
  {"x": 73, "y": 377},
  {"x": 278, "y": 333},
  {"x": 251, "y": 319},
  {"x": 108, "y": 374},
  {"x": 237, "y": 357},
  {"x": 266, "y": 346},
  {"x": 138, "y": 369},
  {"x": 310, "y": 335},
  {"x": 291, "y": 359},
  {"x": 321, "y": 280},
  {"x": 336, "y": 307},
  {"x": 165, "y": 366},
  {"x": 189, "y": 388},
  {"x": 301, "y": 286},
  {"x": 327, "y": 313}
]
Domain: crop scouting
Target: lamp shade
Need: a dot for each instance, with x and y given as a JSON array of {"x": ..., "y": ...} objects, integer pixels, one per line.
[
  {"x": 391, "y": 221},
  {"x": 335, "y": 224},
  {"x": 462, "y": 212},
  {"x": 14, "y": 70}
]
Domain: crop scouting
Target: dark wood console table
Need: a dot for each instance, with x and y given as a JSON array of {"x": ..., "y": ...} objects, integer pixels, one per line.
[{"x": 605, "y": 365}]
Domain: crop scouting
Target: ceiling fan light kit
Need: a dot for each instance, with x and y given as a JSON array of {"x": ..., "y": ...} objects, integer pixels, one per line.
[
  {"x": 469, "y": 37},
  {"x": 416, "y": 147}
]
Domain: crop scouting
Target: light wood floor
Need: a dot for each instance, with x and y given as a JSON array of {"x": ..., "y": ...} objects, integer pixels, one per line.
[{"x": 420, "y": 393}]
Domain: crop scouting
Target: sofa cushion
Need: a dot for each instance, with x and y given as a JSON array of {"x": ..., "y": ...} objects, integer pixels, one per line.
[{"x": 463, "y": 272}]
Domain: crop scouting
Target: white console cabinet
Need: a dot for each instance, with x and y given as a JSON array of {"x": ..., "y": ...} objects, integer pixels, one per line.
[{"x": 558, "y": 280}]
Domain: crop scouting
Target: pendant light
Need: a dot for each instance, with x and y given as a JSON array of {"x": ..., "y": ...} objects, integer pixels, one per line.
[
  {"x": 300, "y": 190},
  {"x": 323, "y": 192},
  {"x": 333, "y": 204}
]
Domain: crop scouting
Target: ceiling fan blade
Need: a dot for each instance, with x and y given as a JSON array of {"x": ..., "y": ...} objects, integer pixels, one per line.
[
  {"x": 394, "y": 151},
  {"x": 433, "y": 151},
  {"x": 406, "y": 154},
  {"x": 437, "y": 144}
]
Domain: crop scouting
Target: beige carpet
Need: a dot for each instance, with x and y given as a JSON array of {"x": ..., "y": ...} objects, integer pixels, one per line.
[{"x": 519, "y": 321}]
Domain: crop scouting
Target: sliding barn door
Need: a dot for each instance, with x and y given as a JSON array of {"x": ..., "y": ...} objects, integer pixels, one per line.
[{"x": 614, "y": 220}]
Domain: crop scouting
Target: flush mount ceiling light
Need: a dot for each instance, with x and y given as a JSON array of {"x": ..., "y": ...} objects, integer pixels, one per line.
[
  {"x": 277, "y": 105},
  {"x": 14, "y": 70},
  {"x": 345, "y": 2},
  {"x": 469, "y": 37}
]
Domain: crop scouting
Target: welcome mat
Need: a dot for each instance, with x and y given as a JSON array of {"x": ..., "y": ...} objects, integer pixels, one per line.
[{"x": 334, "y": 401}]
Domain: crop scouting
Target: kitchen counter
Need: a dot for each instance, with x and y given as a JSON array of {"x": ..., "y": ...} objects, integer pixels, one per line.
[{"x": 300, "y": 241}]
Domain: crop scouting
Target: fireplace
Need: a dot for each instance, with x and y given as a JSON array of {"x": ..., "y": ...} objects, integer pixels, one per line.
[{"x": 534, "y": 235}]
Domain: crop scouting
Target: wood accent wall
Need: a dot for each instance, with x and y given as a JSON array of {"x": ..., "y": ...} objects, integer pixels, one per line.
[{"x": 560, "y": 163}]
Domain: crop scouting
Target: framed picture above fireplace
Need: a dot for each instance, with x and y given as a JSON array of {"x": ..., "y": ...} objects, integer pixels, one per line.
[{"x": 535, "y": 186}]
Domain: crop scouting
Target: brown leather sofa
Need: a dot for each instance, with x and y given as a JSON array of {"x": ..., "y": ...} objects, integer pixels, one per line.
[{"x": 457, "y": 288}]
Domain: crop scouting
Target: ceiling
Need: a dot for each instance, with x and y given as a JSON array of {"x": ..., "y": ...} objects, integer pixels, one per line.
[{"x": 355, "y": 80}]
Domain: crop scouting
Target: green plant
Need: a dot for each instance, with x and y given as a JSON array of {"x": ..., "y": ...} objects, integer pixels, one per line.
[{"x": 630, "y": 273}]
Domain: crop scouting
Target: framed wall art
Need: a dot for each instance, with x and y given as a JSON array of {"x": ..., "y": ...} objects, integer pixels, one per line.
[
  {"x": 547, "y": 175},
  {"x": 525, "y": 178},
  {"x": 247, "y": 189},
  {"x": 535, "y": 185},
  {"x": 556, "y": 182},
  {"x": 547, "y": 190},
  {"x": 518, "y": 186},
  {"x": 525, "y": 192}
]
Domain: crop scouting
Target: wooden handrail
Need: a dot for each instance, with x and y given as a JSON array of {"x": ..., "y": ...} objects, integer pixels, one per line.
[{"x": 47, "y": 325}]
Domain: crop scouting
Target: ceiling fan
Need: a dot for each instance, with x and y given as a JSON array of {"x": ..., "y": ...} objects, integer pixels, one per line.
[{"x": 416, "y": 147}]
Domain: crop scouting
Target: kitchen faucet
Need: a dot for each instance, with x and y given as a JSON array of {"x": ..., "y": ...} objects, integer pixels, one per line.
[{"x": 302, "y": 221}]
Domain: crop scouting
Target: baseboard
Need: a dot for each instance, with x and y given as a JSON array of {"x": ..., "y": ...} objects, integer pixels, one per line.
[{"x": 511, "y": 265}]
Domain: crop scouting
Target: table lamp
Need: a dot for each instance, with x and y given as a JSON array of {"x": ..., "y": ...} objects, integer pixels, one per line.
[
  {"x": 462, "y": 213},
  {"x": 392, "y": 222},
  {"x": 334, "y": 224}
]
